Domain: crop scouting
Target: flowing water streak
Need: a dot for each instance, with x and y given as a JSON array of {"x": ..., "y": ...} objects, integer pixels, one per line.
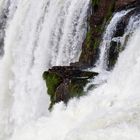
[
  {"x": 107, "y": 37},
  {"x": 133, "y": 24},
  {"x": 34, "y": 38},
  {"x": 111, "y": 112}
]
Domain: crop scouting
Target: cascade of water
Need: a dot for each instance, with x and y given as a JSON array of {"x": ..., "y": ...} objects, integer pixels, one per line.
[
  {"x": 133, "y": 24},
  {"x": 40, "y": 34},
  {"x": 112, "y": 112},
  {"x": 107, "y": 37}
]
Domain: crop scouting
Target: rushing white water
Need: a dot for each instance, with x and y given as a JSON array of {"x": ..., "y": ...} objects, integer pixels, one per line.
[
  {"x": 133, "y": 24},
  {"x": 110, "y": 112},
  {"x": 39, "y": 34},
  {"x": 44, "y": 33}
]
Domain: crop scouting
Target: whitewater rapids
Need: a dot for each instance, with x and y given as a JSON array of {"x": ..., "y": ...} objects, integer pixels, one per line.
[{"x": 110, "y": 112}]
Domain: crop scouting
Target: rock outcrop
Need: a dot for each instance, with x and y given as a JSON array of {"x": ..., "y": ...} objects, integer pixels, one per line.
[
  {"x": 122, "y": 4},
  {"x": 65, "y": 82}
]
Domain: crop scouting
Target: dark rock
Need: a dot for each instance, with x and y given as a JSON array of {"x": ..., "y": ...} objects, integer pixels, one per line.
[
  {"x": 126, "y": 4},
  {"x": 66, "y": 82},
  {"x": 113, "y": 54},
  {"x": 101, "y": 12}
]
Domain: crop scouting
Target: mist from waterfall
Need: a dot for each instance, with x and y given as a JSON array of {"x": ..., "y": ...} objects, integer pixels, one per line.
[{"x": 41, "y": 34}]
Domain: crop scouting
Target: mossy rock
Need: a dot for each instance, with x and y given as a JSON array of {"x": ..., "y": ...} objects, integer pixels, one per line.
[
  {"x": 66, "y": 82},
  {"x": 76, "y": 87},
  {"x": 69, "y": 89},
  {"x": 52, "y": 81}
]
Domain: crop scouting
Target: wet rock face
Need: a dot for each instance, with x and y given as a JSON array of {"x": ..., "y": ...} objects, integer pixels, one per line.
[
  {"x": 101, "y": 12},
  {"x": 66, "y": 82},
  {"x": 122, "y": 3}
]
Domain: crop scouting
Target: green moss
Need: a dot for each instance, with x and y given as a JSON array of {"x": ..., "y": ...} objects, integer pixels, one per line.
[
  {"x": 96, "y": 44},
  {"x": 110, "y": 11},
  {"x": 76, "y": 87},
  {"x": 100, "y": 28},
  {"x": 88, "y": 39},
  {"x": 64, "y": 89},
  {"x": 95, "y": 2},
  {"x": 52, "y": 82},
  {"x": 90, "y": 42}
]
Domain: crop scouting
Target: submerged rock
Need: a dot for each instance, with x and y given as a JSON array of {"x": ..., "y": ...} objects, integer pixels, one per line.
[{"x": 65, "y": 82}]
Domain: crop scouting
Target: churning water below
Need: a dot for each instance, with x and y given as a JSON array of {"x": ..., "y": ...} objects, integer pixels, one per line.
[{"x": 40, "y": 34}]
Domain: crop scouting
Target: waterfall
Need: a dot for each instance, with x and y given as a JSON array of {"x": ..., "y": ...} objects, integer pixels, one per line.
[
  {"x": 38, "y": 35},
  {"x": 110, "y": 112}
]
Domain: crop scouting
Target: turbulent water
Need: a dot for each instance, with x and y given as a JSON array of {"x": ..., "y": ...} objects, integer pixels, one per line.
[{"x": 40, "y": 34}]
